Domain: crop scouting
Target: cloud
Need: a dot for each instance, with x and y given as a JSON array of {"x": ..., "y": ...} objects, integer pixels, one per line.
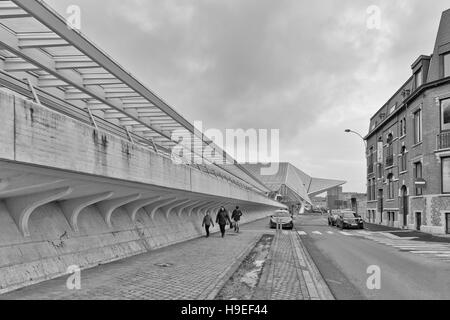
[{"x": 310, "y": 69}]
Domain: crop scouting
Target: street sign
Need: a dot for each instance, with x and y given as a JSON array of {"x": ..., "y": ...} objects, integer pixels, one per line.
[{"x": 419, "y": 182}]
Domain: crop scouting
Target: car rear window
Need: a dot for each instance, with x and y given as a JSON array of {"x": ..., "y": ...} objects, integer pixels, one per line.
[
  {"x": 281, "y": 214},
  {"x": 349, "y": 215}
]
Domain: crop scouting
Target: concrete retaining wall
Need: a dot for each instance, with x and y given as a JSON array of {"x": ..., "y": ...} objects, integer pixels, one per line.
[
  {"x": 52, "y": 164},
  {"x": 36, "y": 135},
  {"x": 53, "y": 246}
]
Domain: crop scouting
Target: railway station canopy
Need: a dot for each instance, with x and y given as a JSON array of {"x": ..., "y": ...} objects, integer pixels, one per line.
[
  {"x": 294, "y": 185},
  {"x": 52, "y": 64}
]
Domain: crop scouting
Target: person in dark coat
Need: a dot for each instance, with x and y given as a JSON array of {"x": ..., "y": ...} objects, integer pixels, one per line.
[
  {"x": 236, "y": 216},
  {"x": 222, "y": 220},
  {"x": 207, "y": 222}
]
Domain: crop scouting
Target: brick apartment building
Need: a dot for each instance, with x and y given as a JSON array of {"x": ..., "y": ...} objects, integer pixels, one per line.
[{"x": 408, "y": 151}]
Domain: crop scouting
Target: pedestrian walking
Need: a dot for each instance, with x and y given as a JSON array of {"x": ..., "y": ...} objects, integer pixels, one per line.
[
  {"x": 222, "y": 220},
  {"x": 236, "y": 216},
  {"x": 207, "y": 223}
]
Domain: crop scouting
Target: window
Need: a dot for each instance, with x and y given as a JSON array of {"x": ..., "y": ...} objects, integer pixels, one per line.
[
  {"x": 445, "y": 114},
  {"x": 370, "y": 161},
  {"x": 371, "y": 190},
  {"x": 374, "y": 191},
  {"x": 418, "y": 127},
  {"x": 401, "y": 128},
  {"x": 418, "y": 175},
  {"x": 404, "y": 126},
  {"x": 445, "y": 175},
  {"x": 418, "y": 78},
  {"x": 403, "y": 162},
  {"x": 390, "y": 186},
  {"x": 447, "y": 65},
  {"x": 390, "y": 151},
  {"x": 380, "y": 171}
]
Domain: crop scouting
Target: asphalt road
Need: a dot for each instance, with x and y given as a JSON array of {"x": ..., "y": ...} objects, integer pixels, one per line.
[{"x": 343, "y": 261}]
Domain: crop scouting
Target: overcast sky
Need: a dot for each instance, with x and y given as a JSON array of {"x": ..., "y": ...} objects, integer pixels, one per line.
[{"x": 308, "y": 68}]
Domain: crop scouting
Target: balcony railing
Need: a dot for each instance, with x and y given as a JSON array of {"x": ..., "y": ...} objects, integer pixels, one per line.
[
  {"x": 389, "y": 161},
  {"x": 443, "y": 141}
]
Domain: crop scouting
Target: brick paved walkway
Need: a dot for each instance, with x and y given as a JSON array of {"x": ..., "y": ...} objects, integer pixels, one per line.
[
  {"x": 197, "y": 268},
  {"x": 289, "y": 273}
]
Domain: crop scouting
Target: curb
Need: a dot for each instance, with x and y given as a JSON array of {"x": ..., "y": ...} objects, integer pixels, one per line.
[{"x": 316, "y": 283}]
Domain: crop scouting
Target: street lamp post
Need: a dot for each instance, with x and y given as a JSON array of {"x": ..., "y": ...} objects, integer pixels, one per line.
[{"x": 358, "y": 134}]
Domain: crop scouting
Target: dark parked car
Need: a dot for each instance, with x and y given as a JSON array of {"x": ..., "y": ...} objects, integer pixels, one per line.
[
  {"x": 284, "y": 218},
  {"x": 350, "y": 220},
  {"x": 332, "y": 217}
]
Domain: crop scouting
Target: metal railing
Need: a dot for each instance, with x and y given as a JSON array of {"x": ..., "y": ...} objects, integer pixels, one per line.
[{"x": 443, "y": 141}]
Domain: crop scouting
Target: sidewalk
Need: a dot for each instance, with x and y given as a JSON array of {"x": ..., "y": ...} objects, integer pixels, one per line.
[
  {"x": 185, "y": 271},
  {"x": 195, "y": 270},
  {"x": 407, "y": 233},
  {"x": 289, "y": 272}
]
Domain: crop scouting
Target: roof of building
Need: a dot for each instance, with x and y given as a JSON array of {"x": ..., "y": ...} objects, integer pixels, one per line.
[
  {"x": 44, "y": 59},
  {"x": 300, "y": 185},
  {"x": 432, "y": 74}
]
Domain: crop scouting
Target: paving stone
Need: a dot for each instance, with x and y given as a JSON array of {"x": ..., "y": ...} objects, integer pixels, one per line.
[{"x": 196, "y": 269}]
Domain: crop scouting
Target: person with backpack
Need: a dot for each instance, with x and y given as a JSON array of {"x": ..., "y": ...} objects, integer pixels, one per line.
[
  {"x": 236, "y": 216},
  {"x": 222, "y": 220}
]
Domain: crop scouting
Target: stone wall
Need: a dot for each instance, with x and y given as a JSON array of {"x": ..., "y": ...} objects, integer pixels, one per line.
[{"x": 433, "y": 209}]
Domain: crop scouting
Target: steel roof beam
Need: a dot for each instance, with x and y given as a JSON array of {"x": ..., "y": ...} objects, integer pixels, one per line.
[
  {"x": 18, "y": 64},
  {"x": 58, "y": 25},
  {"x": 41, "y": 40},
  {"x": 48, "y": 83},
  {"x": 91, "y": 82},
  {"x": 75, "y": 79},
  {"x": 12, "y": 13},
  {"x": 75, "y": 65},
  {"x": 119, "y": 95}
]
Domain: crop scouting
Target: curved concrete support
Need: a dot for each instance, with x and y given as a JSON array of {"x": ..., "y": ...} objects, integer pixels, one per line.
[
  {"x": 163, "y": 203},
  {"x": 134, "y": 207},
  {"x": 107, "y": 207},
  {"x": 211, "y": 209},
  {"x": 72, "y": 208},
  {"x": 198, "y": 205},
  {"x": 189, "y": 206},
  {"x": 203, "y": 207},
  {"x": 175, "y": 205},
  {"x": 216, "y": 207},
  {"x": 22, "y": 207},
  {"x": 203, "y": 211}
]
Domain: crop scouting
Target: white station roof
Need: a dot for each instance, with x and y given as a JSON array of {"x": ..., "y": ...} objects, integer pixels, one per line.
[{"x": 43, "y": 59}]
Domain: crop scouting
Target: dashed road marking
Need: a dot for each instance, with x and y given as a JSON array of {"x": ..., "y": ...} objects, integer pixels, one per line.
[
  {"x": 317, "y": 232},
  {"x": 345, "y": 233},
  {"x": 302, "y": 233},
  {"x": 330, "y": 232}
]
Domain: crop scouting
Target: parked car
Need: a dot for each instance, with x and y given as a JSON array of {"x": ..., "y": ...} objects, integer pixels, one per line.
[
  {"x": 284, "y": 218},
  {"x": 332, "y": 217},
  {"x": 350, "y": 220}
]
